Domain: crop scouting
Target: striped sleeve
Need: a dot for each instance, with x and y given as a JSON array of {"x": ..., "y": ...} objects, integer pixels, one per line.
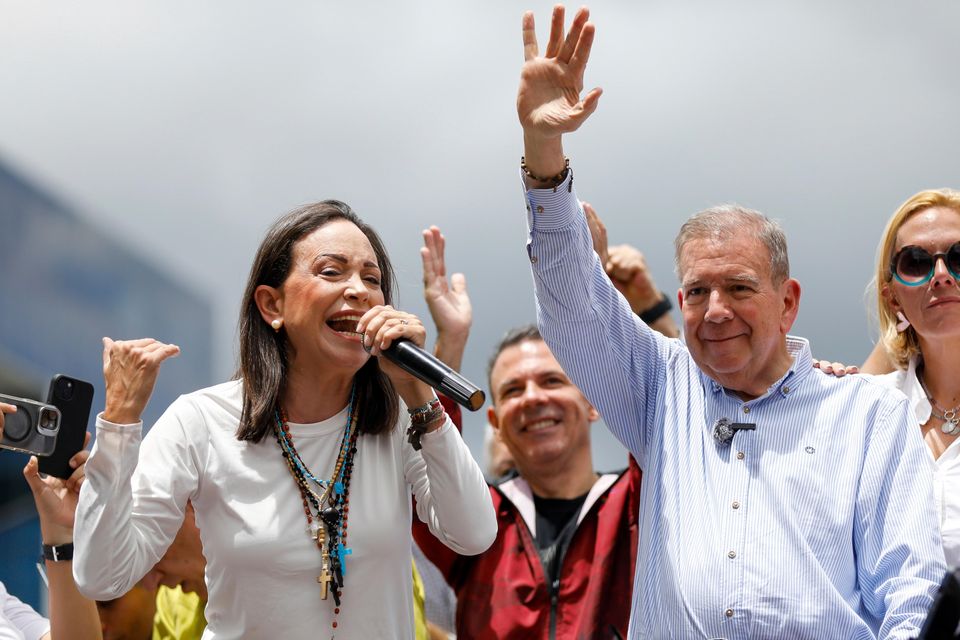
[{"x": 609, "y": 353}]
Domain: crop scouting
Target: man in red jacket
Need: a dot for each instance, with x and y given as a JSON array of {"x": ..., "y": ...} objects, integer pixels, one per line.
[{"x": 563, "y": 562}]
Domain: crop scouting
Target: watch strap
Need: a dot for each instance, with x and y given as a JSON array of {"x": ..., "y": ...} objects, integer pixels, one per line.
[
  {"x": 657, "y": 311},
  {"x": 58, "y": 553}
]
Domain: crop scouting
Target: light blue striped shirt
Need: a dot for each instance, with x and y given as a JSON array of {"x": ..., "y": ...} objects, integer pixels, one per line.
[{"x": 818, "y": 524}]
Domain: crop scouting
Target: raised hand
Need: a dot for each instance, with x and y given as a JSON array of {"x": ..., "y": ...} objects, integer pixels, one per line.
[
  {"x": 548, "y": 100},
  {"x": 448, "y": 302},
  {"x": 598, "y": 233},
  {"x": 629, "y": 273},
  {"x": 130, "y": 369}
]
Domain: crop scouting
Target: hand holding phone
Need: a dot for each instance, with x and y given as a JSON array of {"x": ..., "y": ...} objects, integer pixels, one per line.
[
  {"x": 32, "y": 428},
  {"x": 5, "y": 407},
  {"x": 56, "y": 499}
]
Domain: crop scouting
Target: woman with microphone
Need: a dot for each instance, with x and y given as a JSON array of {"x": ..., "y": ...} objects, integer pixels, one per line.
[{"x": 300, "y": 469}]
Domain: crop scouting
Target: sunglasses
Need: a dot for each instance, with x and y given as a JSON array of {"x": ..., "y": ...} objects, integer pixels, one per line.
[{"x": 914, "y": 266}]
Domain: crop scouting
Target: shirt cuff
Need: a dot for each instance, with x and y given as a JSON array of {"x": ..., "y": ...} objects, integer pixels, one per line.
[
  {"x": 553, "y": 208},
  {"x": 436, "y": 435},
  {"x": 113, "y": 426}
]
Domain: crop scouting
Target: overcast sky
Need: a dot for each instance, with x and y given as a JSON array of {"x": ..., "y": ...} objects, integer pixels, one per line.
[{"x": 185, "y": 128}]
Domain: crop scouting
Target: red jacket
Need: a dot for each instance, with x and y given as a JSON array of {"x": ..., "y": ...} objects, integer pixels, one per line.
[{"x": 503, "y": 592}]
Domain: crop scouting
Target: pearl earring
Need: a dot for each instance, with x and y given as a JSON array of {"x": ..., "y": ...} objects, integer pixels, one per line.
[
  {"x": 903, "y": 324},
  {"x": 276, "y": 323}
]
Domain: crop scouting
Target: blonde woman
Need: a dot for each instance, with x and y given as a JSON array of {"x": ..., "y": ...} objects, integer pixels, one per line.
[{"x": 918, "y": 304}]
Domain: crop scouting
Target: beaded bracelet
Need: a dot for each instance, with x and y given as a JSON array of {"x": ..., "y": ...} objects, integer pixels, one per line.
[
  {"x": 557, "y": 179},
  {"x": 420, "y": 418}
]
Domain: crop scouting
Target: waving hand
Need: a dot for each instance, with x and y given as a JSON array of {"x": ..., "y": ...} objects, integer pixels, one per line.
[{"x": 548, "y": 100}]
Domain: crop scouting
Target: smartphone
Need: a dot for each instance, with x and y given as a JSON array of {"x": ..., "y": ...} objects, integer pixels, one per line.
[
  {"x": 944, "y": 614},
  {"x": 73, "y": 397},
  {"x": 32, "y": 428}
]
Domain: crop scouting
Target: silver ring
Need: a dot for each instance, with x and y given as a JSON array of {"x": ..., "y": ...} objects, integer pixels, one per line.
[{"x": 404, "y": 322}]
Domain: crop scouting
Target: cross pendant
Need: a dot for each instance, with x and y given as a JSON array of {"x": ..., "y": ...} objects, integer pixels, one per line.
[{"x": 324, "y": 580}]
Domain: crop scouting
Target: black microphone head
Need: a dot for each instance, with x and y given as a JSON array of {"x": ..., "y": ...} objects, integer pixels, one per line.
[{"x": 722, "y": 431}]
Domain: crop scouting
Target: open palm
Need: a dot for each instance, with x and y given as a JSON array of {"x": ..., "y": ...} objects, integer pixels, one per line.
[{"x": 548, "y": 100}]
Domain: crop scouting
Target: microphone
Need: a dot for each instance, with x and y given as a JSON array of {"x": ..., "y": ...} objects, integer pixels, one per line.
[
  {"x": 724, "y": 430},
  {"x": 427, "y": 368}
]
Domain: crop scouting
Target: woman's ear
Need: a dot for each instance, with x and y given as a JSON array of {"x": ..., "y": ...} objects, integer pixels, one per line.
[
  {"x": 270, "y": 303},
  {"x": 891, "y": 298}
]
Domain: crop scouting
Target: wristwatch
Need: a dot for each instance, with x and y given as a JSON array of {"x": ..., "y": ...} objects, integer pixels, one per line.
[
  {"x": 657, "y": 311},
  {"x": 58, "y": 553}
]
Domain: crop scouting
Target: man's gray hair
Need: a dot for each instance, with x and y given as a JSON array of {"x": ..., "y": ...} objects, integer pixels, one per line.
[{"x": 731, "y": 220}]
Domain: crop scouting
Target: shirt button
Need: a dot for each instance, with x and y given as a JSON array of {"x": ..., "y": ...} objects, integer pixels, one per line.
[
  {"x": 533, "y": 259},
  {"x": 728, "y": 613},
  {"x": 786, "y": 389},
  {"x": 746, "y": 409},
  {"x": 741, "y": 455},
  {"x": 732, "y": 555},
  {"x": 735, "y": 505},
  {"x": 539, "y": 208}
]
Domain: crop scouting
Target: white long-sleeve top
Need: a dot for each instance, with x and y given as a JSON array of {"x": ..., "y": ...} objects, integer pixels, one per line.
[
  {"x": 262, "y": 566},
  {"x": 18, "y": 621}
]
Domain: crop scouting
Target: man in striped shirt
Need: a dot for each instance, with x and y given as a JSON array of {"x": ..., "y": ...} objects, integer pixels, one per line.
[{"x": 778, "y": 502}]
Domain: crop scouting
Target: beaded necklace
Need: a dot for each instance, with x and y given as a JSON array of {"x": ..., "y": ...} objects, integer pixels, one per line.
[{"x": 326, "y": 525}]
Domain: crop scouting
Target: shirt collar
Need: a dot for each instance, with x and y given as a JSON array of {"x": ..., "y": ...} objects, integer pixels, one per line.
[
  {"x": 800, "y": 368},
  {"x": 910, "y": 386}
]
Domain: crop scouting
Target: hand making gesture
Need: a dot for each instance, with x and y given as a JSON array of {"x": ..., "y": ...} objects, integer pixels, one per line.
[
  {"x": 548, "y": 100},
  {"x": 448, "y": 301},
  {"x": 130, "y": 369}
]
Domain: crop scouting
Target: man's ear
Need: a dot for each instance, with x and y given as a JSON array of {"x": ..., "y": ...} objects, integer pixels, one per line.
[
  {"x": 270, "y": 302},
  {"x": 790, "y": 290},
  {"x": 493, "y": 419},
  {"x": 679, "y": 298},
  {"x": 593, "y": 414}
]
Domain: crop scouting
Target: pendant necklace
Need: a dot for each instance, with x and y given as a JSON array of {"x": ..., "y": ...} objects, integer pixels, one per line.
[
  {"x": 326, "y": 503},
  {"x": 951, "y": 420}
]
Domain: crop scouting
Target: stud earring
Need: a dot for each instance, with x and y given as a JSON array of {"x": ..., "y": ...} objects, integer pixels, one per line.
[
  {"x": 276, "y": 323},
  {"x": 903, "y": 324}
]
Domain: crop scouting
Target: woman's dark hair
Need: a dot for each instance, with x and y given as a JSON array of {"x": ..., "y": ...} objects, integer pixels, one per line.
[{"x": 264, "y": 352}]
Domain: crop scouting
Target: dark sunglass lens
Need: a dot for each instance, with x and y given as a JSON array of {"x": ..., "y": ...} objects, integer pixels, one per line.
[
  {"x": 953, "y": 259},
  {"x": 914, "y": 263}
]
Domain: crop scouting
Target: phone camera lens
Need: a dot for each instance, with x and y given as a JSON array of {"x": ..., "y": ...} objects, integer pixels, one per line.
[
  {"x": 48, "y": 420},
  {"x": 64, "y": 389}
]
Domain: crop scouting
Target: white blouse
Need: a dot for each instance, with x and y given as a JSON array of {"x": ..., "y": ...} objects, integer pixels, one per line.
[
  {"x": 945, "y": 469},
  {"x": 262, "y": 567}
]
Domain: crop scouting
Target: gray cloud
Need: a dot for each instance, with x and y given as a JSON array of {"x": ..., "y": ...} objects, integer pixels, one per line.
[{"x": 185, "y": 128}]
